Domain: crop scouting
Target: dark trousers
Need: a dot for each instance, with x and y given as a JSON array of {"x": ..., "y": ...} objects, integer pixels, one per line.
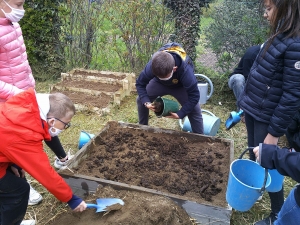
[
  {"x": 14, "y": 194},
  {"x": 257, "y": 131},
  {"x": 155, "y": 89}
]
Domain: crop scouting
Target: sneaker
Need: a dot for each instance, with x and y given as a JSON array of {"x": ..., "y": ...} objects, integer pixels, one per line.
[
  {"x": 268, "y": 221},
  {"x": 28, "y": 222},
  {"x": 34, "y": 197},
  {"x": 59, "y": 164}
]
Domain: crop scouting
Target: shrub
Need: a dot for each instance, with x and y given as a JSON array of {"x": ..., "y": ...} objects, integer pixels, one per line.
[
  {"x": 236, "y": 26},
  {"x": 41, "y": 30}
]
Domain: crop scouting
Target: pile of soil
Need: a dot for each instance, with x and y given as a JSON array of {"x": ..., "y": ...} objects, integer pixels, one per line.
[
  {"x": 139, "y": 209},
  {"x": 178, "y": 163},
  {"x": 90, "y": 85}
]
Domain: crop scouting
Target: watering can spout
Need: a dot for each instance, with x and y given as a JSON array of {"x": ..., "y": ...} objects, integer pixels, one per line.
[{"x": 233, "y": 119}]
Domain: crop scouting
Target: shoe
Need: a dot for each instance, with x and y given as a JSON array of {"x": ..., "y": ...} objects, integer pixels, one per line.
[
  {"x": 34, "y": 197},
  {"x": 28, "y": 222},
  {"x": 268, "y": 221},
  {"x": 59, "y": 164}
]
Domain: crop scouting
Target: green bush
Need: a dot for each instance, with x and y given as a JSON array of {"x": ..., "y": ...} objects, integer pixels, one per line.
[
  {"x": 41, "y": 30},
  {"x": 236, "y": 26}
]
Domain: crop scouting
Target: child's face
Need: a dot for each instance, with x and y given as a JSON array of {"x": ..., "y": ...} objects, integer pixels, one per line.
[
  {"x": 17, "y": 4},
  {"x": 269, "y": 10}
]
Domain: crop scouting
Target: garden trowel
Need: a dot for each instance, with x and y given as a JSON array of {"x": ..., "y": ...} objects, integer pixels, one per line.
[
  {"x": 106, "y": 204},
  {"x": 233, "y": 119}
]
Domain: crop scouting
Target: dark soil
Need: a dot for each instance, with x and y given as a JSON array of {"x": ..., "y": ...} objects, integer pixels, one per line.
[
  {"x": 176, "y": 164},
  {"x": 90, "y": 85},
  {"x": 100, "y": 101},
  {"x": 139, "y": 209}
]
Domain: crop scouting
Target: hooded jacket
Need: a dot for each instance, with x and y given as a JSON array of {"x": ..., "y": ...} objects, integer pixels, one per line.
[
  {"x": 183, "y": 77},
  {"x": 15, "y": 72},
  {"x": 22, "y": 131}
]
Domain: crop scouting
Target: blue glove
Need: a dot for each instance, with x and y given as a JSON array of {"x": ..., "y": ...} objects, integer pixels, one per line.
[{"x": 74, "y": 201}]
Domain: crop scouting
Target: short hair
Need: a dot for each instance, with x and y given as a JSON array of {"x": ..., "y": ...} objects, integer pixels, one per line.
[
  {"x": 60, "y": 106},
  {"x": 162, "y": 64}
]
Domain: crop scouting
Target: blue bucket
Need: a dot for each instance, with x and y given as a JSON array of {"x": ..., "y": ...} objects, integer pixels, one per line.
[
  {"x": 84, "y": 138},
  {"x": 277, "y": 181},
  {"x": 247, "y": 181},
  {"x": 211, "y": 123}
]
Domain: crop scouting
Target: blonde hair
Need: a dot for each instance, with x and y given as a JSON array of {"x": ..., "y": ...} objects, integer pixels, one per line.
[
  {"x": 162, "y": 64},
  {"x": 61, "y": 106}
]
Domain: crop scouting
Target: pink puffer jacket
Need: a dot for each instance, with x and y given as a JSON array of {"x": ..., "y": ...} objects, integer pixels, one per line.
[{"x": 15, "y": 72}]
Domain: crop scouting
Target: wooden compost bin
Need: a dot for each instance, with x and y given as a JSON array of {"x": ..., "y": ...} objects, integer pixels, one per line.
[{"x": 204, "y": 212}]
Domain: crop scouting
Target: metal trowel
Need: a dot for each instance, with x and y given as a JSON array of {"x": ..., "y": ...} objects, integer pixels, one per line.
[
  {"x": 233, "y": 119},
  {"x": 106, "y": 204}
]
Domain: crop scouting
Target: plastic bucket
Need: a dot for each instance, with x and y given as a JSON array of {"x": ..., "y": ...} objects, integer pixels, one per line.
[
  {"x": 167, "y": 106},
  {"x": 211, "y": 123},
  {"x": 84, "y": 138},
  {"x": 247, "y": 181},
  {"x": 277, "y": 181}
]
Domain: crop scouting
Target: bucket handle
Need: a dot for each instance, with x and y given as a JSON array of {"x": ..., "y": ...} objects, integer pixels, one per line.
[{"x": 263, "y": 188}]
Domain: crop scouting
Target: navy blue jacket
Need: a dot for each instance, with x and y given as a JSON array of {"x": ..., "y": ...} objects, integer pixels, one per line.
[
  {"x": 183, "y": 77},
  {"x": 272, "y": 91},
  {"x": 287, "y": 163},
  {"x": 293, "y": 132}
]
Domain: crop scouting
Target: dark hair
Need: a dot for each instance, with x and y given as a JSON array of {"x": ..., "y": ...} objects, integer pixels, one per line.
[
  {"x": 162, "y": 64},
  {"x": 286, "y": 18}
]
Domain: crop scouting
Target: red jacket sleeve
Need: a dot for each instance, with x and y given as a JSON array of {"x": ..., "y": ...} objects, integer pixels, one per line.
[{"x": 31, "y": 157}]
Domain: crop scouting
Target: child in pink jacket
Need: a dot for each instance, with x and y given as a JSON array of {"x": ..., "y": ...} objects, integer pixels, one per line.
[{"x": 15, "y": 71}]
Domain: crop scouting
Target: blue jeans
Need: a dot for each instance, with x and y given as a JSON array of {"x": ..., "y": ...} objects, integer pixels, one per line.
[
  {"x": 155, "y": 89},
  {"x": 290, "y": 211},
  {"x": 14, "y": 194},
  {"x": 237, "y": 83},
  {"x": 256, "y": 132}
]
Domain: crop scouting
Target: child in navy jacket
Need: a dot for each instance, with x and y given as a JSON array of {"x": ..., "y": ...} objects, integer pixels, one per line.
[{"x": 288, "y": 164}]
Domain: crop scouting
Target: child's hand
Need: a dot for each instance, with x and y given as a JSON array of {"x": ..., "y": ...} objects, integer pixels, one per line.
[
  {"x": 256, "y": 152},
  {"x": 173, "y": 116},
  {"x": 150, "y": 106},
  {"x": 81, "y": 207},
  {"x": 271, "y": 140},
  {"x": 19, "y": 172}
]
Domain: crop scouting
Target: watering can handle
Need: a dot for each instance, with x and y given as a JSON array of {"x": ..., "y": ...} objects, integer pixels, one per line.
[
  {"x": 266, "y": 170},
  {"x": 208, "y": 112}
]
